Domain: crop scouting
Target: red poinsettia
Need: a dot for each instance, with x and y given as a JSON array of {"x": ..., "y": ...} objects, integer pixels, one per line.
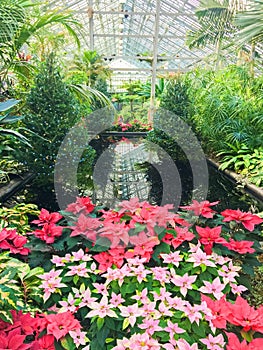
[
  {"x": 242, "y": 247},
  {"x": 13, "y": 340},
  {"x": 11, "y": 240},
  {"x": 246, "y": 316},
  {"x": 235, "y": 344},
  {"x": 48, "y": 233},
  {"x": 208, "y": 236},
  {"x": 46, "y": 342},
  {"x": 45, "y": 217},
  {"x": 104, "y": 259},
  {"x": 219, "y": 309},
  {"x": 247, "y": 219}
]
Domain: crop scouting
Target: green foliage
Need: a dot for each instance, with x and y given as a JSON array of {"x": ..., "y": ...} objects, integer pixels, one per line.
[
  {"x": 52, "y": 111},
  {"x": 256, "y": 294},
  {"x": 138, "y": 111},
  {"x": 245, "y": 162},
  {"x": 101, "y": 86},
  {"x": 250, "y": 21},
  {"x": 226, "y": 107},
  {"x": 20, "y": 21},
  {"x": 17, "y": 217},
  {"x": 216, "y": 21},
  {"x": 89, "y": 66},
  {"x": 175, "y": 98},
  {"x": 226, "y": 111},
  {"x": 19, "y": 287},
  {"x": 8, "y": 119}
]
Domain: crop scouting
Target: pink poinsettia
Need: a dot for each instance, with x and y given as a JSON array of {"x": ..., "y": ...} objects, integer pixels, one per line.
[
  {"x": 60, "y": 324},
  {"x": 215, "y": 288},
  {"x": 82, "y": 205},
  {"x": 201, "y": 208},
  {"x": 86, "y": 226}
]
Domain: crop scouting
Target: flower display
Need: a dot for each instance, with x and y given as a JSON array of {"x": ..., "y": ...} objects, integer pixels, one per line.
[{"x": 140, "y": 276}]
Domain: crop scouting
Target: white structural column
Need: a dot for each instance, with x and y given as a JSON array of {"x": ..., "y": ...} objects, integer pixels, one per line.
[
  {"x": 154, "y": 61},
  {"x": 91, "y": 25}
]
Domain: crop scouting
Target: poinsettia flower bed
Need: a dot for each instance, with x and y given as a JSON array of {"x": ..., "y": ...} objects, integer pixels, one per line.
[
  {"x": 133, "y": 126},
  {"x": 136, "y": 277}
]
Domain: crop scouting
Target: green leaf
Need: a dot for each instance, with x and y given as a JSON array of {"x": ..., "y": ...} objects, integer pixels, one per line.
[
  {"x": 75, "y": 279},
  {"x": 109, "y": 340},
  {"x": 109, "y": 322},
  {"x": 6, "y": 105},
  {"x": 199, "y": 330},
  {"x": 126, "y": 323},
  {"x": 102, "y": 244},
  {"x": 161, "y": 248},
  {"x": 68, "y": 343},
  {"x": 100, "y": 322}
]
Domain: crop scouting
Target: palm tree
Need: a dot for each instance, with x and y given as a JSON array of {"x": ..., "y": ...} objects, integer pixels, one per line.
[
  {"x": 92, "y": 65},
  {"x": 216, "y": 24},
  {"x": 250, "y": 22},
  {"x": 251, "y": 30},
  {"x": 20, "y": 20}
]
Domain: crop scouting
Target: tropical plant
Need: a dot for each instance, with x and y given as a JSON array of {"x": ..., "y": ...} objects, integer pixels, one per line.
[
  {"x": 144, "y": 89},
  {"x": 175, "y": 97},
  {"x": 244, "y": 161},
  {"x": 90, "y": 66},
  {"x": 7, "y": 119},
  {"x": 226, "y": 107},
  {"x": 216, "y": 20},
  {"x": 20, "y": 21},
  {"x": 249, "y": 22}
]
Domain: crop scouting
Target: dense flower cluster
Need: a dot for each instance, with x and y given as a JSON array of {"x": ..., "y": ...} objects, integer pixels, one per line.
[
  {"x": 142, "y": 277},
  {"x": 42, "y": 330},
  {"x": 133, "y": 126}
]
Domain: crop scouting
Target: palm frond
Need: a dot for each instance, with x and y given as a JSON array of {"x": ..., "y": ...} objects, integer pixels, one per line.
[
  {"x": 250, "y": 23},
  {"x": 89, "y": 94}
]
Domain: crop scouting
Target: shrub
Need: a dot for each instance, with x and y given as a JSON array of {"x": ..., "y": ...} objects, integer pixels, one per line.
[{"x": 52, "y": 111}]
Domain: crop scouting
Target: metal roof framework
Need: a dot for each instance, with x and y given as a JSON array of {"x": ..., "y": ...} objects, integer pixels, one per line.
[
  {"x": 138, "y": 30},
  {"x": 149, "y": 35}
]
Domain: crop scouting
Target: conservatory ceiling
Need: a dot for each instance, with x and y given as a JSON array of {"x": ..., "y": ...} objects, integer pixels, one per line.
[{"x": 129, "y": 33}]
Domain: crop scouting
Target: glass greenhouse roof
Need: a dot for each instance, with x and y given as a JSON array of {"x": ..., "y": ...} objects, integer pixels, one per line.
[{"x": 133, "y": 31}]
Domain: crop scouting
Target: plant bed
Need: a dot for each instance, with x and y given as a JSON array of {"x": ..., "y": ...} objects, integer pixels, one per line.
[
  {"x": 136, "y": 276},
  {"x": 255, "y": 191},
  {"x": 125, "y": 134}
]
